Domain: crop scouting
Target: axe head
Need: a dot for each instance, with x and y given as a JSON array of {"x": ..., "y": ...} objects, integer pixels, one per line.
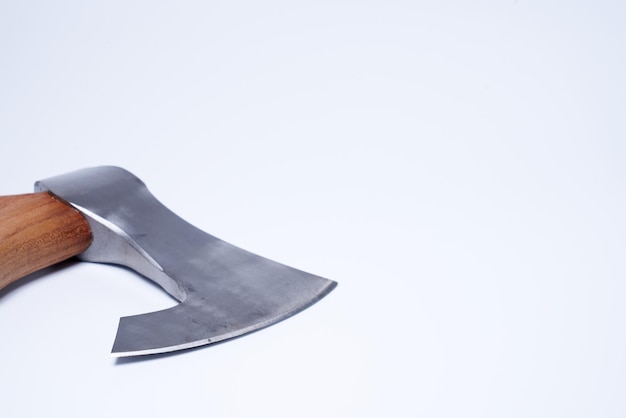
[{"x": 224, "y": 291}]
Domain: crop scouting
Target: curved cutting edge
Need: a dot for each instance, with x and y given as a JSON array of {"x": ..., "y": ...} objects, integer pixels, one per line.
[
  {"x": 224, "y": 290},
  {"x": 145, "y": 334}
]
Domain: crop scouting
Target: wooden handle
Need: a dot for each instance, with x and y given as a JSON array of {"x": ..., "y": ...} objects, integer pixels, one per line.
[{"x": 37, "y": 231}]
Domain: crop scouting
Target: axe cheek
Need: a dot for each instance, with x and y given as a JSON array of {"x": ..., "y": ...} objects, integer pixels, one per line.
[{"x": 224, "y": 290}]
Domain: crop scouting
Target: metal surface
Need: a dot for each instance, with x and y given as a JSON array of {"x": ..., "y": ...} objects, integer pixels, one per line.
[{"x": 224, "y": 291}]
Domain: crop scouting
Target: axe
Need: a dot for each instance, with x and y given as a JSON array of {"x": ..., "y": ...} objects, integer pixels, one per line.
[{"x": 107, "y": 215}]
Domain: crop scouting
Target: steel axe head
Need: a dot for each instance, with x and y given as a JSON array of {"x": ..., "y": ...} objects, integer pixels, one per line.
[{"x": 224, "y": 291}]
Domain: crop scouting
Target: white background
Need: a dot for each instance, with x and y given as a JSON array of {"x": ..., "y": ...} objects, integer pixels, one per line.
[{"x": 458, "y": 167}]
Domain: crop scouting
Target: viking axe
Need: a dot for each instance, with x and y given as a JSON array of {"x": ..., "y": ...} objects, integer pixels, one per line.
[{"x": 107, "y": 215}]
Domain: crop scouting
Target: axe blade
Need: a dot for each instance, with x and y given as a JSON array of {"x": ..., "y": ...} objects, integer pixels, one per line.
[{"x": 224, "y": 291}]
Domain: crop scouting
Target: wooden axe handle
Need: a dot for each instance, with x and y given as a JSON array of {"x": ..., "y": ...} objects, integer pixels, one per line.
[{"x": 37, "y": 231}]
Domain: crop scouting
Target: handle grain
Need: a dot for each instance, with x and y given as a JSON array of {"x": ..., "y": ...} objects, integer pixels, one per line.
[{"x": 37, "y": 231}]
